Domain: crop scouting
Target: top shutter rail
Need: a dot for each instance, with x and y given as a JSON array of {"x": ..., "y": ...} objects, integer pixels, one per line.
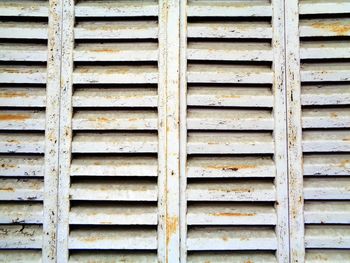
[
  {"x": 319, "y": 100},
  {"x": 236, "y": 173},
  {"x": 29, "y": 107}
]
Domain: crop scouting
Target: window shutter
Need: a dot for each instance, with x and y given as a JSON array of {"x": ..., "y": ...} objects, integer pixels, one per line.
[
  {"x": 318, "y": 53},
  {"x": 29, "y": 99},
  {"x": 236, "y": 206}
]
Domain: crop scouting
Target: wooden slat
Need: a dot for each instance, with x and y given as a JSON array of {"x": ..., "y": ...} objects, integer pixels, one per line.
[
  {"x": 110, "y": 256},
  {"x": 22, "y": 97},
  {"x": 22, "y": 213},
  {"x": 326, "y": 141},
  {"x": 218, "y": 73},
  {"x": 18, "y": 165},
  {"x": 93, "y": 8},
  {"x": 115, "y": 97},
  {"x": 327, "y": 188},
  {"x": 228, "y": 257},
  {"x": 23, "y": 74},
  {"x": 229, "y": 51},
  {"x": 29, "y": 256},
  {"x": 20, "y": 236},
  {"x": 325, "y": 95},
  {"x": 23, "y": 52},
  {"x": 324, "y": 7},
  {"x": 22, "y": 143},
  {"x": 227, "y": 119},
  {"x": 325, "y": 27},
  {"x": 329, "y": 165},
  {"x": 229, "y": 30},
  {"x": 38, "y": 8},
  {"x": 231, "y": 191},
  {"x": 114, "y": 166},
  {"x": 101, "y": 238},
  {"x": 325, "y": 71},
  {"x": 221, "y": 167},
  {"x": 224, "y": 8},
  {"x": 327, "y": 212},
  {"x": 313, "y": 256},
  {"x": 22, "y": 120},
  {"x": 327, "y": 236},
  {"x": 125, "y": 190},
  {"x": 113, "y": 214},
  {"x": 115, "y": 142},
  {"x": 116, "y": 30},
  {"x": 324, "y": 49},
  {"x": 115, "y": 74},
  {"x": 326, "y": 118},
  {"x": 116, "y": 52},
  {"x": 231, "y": 238},
  {"x": 118, "y": 119},
  {"x": 229, "y": 96},
  {"x": 230, "y": 214},
  {"x": 21, "y": 189},
  {"x": 229, "y": 143},
  {"x": 25, "y": 30}
]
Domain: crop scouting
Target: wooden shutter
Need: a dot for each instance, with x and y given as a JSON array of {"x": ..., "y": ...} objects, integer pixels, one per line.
[
  {"x": 29, "y": 100},
  {"x": 234, "y": 184},
  {"x": 318, "y": 53}
]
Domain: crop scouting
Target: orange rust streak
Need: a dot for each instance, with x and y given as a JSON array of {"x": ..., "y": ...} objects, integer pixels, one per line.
[
  {"x": 233, "y": 168},
  {"x": 171, "y": 227},
  {"x": 13, "y": 94},
  {"x": 233, "y": 214},
  {"x": 338, "y": 28},
  {"x": 8, "y": 189},
  {"x": 10, "y": 117}
]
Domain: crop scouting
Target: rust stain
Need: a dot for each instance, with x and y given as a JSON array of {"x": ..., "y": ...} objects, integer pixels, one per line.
[
  {"x": 105, "y": 50},
  {"x": 13, "y": 94},
  {"x": 233, "y": 214},
  {"x": 13, "y": 141},
  {"x": 10, "y": 117},
  {"x": 225, "y": 238},
  {"x": 7, "y": 189},
  {"x": 338, "y": 28},
  {"x": 106, "y": 223},
  {"x": 171, "y": 227},
  {"x": 334, "y": 115},
  {"x": 231, "y": 168},
  {"x": 344, "y": 163},
  {"x": 248, "y": 261},
  {"x": 90, "y": 239},
  {"x": 99, "y": 119},
  {"x": 6, "y": 166}
]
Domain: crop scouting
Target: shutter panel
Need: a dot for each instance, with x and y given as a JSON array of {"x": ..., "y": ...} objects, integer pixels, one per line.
[
  {"x": 319, "y": 99},
  {"x": 235, "y": 176},
  {"x": 29, "y": 101},
  {"x": 113, "y": 191}
]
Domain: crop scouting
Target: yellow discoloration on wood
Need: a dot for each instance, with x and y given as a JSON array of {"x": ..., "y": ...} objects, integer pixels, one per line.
[
  {"x": 337, "y": 27},
  {"x": 233, "y": 214},
  {"x": 10, "y": 117}
]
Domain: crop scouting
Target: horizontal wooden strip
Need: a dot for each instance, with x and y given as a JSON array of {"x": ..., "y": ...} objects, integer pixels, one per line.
[
  {"x": 220, "y": 167},
  {"x": 101, "y": 238},
  {"x": 21, "y": 213},
  {"x": 18, "y": 165},
  {"x": 23, "y": 74},
  {"x": 324, "y": 27},
  {"x": 228, "y": 257},
  {"x": 327, "y": 212},
  {"x": 325, "y": 94},
  {"x": 231, "y": 238},
  {"x": 230, "y": 214},
  {"x": 326, "y": 118},
  {"x": 23, "y": 30},
  {"x": 218, "y": 73},
  {"x": 30, "y": 256},
  {"x": 22, "y": 143},
  {"x": 221, "y": 8},
  {"x": 23, "y": 52},
  {"x": 116, "y": 52},
  {"x": 20, "y": 236},
  {"x": 114, "y": 166},
  {"x": 115, "y": 143},
  {"x": 115, "y": 74},
  {"x": 115, "y": 97},
  {"x": 113, "y": 214},
  {"x": 228, "y": 143},
  {"x": 324, "y": 7},
  {"x": 334, "y": 164},
  {"x": 125, "y": 190},
  {"x": 313, "y": 256},
  {"x": 327, "y": 188},
  {"x": 22, "y": 97},
  {"x": 326, "y": 141},
  {"x": 325, "y": 71},
  {"x": 229, "y": 30},
  {"x": 93, "y": 8},
  {"x": 112, "y": 256},
  {"x": 324, "y": 236},
  {"x": 22, "y": 120},
  {"x": 117, "y": 119},
  {"x": 229, "y": 51},
  {"x": 229, "y": 119},
  {"x": 116, "y": 30},
  {"x": 324, "y": 49},
  {"x": 231, "y": 191},
  {"x": 24, "y": 8},
  {"x": 21, "y": 189},
  {"x": 229, "y": 96}
]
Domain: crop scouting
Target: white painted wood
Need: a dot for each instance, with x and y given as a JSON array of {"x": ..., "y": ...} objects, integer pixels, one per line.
[
  {"x": 22, "y": 120},
  {"x": 22, "y": 97},
  {"x": 329, "y": 165},
  {"x": 324, "y": 49},
  {"x": 313, "y": 256},
  {"x": 325, "y": 72},
  {"x": 326, "y": 141},
  {"x": 327, "y": 236},
  {"x": 226, "y": 257},
  {"x": 23, "y": 52},
  {"x": 326, "y": 118},
  {"x": 24, "y": 8},
  {"x": 325, "y": 95},
  {"x": 22, "y": 237},
  {"x": 30, "y": 256},
  {"x": 112, "y": 239},
  {"x": 324, "y": 7},
  {"x": 110, "y": 256},
  {"x": 21, "y": 189},
  {"x": 22, "y": 143},
  {"x": 21, "y": 165},
  {"x": 327, "y": 212},
  {"x": 23, "y": 74},
  {"x": 327, "y": 188},
  {"x": 24, "y": 30},
  {"x": 22, "y": 213},
  {"x": 324, "y": 27}
]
